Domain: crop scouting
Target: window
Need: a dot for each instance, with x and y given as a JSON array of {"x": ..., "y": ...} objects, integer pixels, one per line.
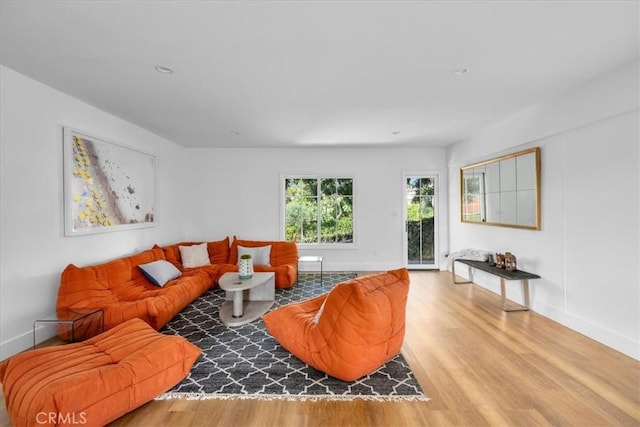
[{"x": 318, "y": 210}]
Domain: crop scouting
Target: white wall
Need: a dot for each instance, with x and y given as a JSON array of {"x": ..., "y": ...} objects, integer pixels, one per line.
[
  {"x": 237, "y": 191},
  {"x": 588, "y": 249},
  {"x": 33, "y": 249}
]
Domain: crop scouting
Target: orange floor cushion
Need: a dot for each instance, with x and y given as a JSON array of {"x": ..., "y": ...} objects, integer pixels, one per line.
[
  {"x": 349, "y": 332},
  {"x": 95, "y": 381}
]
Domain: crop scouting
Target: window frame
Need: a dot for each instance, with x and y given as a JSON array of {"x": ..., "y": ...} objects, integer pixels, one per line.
[{"x": 318, "y": 244}]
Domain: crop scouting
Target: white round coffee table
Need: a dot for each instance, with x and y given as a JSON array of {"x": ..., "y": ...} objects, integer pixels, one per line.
[{"x": 247, "y": 299}]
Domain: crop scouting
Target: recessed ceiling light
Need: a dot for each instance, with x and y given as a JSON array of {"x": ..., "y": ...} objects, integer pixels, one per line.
[
  {"x": 164, "y": 70},
  {"x": 460, "y": 71}
]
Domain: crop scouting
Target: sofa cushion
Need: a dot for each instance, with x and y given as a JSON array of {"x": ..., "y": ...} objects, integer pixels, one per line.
[
  {"x": 160, "y": 272},
  {"x": 95, "y": 381},
  {"x": 92, "y": 286},
  {"x": 260, "y": 255},
  {"x": 194, "y": 255},
  {"x": 218, "y": 252}
]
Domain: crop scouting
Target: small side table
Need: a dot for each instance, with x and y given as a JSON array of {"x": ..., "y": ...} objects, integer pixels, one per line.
[
  {"x": 317, "y": 259},
  {"x": 75, "y": 325}
]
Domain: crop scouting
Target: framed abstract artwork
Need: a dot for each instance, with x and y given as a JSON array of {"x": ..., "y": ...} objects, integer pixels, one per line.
[{"x": 107, "y": 186}]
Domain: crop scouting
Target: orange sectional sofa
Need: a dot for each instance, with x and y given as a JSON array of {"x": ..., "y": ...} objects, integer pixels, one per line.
[
  {"x": 123, "y": 292},
  {"x": 350, "y": 331},
  {"x": 96, "y": 381}
]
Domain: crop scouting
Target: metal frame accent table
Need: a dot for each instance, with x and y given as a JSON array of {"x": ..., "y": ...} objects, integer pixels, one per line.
[
  {"x": 247, "y": 299},
  {"x": 504, "y": 275},
  {"x": 310, "y": 259},
  {"x": 75, "y": 319}
]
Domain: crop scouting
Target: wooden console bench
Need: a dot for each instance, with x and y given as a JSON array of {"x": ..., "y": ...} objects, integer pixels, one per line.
[{"x": 504, "y": 275}]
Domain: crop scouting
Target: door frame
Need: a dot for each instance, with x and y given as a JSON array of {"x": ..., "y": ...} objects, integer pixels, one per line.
[{"x": 436, "y": 212}]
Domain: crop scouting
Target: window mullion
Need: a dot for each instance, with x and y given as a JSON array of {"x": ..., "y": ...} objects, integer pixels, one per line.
[{"x": 319, "y": 212}]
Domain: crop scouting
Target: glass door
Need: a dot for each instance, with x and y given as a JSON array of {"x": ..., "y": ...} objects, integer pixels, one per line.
[{"x": 420, "y": 214}]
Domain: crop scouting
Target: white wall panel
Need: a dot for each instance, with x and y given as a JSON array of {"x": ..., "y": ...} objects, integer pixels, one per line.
[{"x": 601, "y": 193}]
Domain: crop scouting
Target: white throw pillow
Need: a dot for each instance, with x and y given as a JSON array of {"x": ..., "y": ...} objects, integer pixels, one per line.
[
  {"x": 160, "y": 272},
  {"x": 194, "y": 255},
  {"x": 260, "y": 255}
]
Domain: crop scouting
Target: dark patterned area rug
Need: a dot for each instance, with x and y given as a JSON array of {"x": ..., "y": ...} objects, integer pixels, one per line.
[{"x": 246, "y": 362}]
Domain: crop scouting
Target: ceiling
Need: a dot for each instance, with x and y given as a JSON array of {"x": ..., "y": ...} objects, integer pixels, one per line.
[{"x": 315, "y": 73}]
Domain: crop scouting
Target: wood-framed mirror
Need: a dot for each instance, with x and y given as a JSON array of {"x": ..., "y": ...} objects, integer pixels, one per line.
[{"x": 503, "y": 191}]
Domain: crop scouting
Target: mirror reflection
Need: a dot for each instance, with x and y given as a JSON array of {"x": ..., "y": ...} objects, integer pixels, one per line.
[{"x": 504, "y": 191}]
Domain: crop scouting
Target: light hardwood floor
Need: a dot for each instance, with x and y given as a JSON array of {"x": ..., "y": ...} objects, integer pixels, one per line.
[{"x": 478, "y": 364}]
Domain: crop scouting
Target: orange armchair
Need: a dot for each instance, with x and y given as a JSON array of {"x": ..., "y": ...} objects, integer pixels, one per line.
[{"x": 349, "y": 332}]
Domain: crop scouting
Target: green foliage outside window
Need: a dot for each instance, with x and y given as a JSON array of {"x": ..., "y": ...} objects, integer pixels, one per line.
[
  {"x": 420, "y": 192},
  {"x": 420, "y": 220},
  {"x": 319, "y": 210}
]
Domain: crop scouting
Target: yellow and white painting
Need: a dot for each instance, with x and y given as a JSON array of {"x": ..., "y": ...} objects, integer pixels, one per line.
[{"x": 108, "y": 186}]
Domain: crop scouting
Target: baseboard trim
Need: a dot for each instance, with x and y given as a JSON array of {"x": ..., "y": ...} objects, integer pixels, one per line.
[
  {"x": 612, "y": 339},
  {"x": 16, "y": 345},
  {"x": 24, "y": 341},
  {"x": 604, "y": 336}
]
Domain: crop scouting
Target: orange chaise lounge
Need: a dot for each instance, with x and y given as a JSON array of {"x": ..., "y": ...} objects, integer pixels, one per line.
[
  {"x": 350, "y": 331},
  {"x": 95, "y": 381}
]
